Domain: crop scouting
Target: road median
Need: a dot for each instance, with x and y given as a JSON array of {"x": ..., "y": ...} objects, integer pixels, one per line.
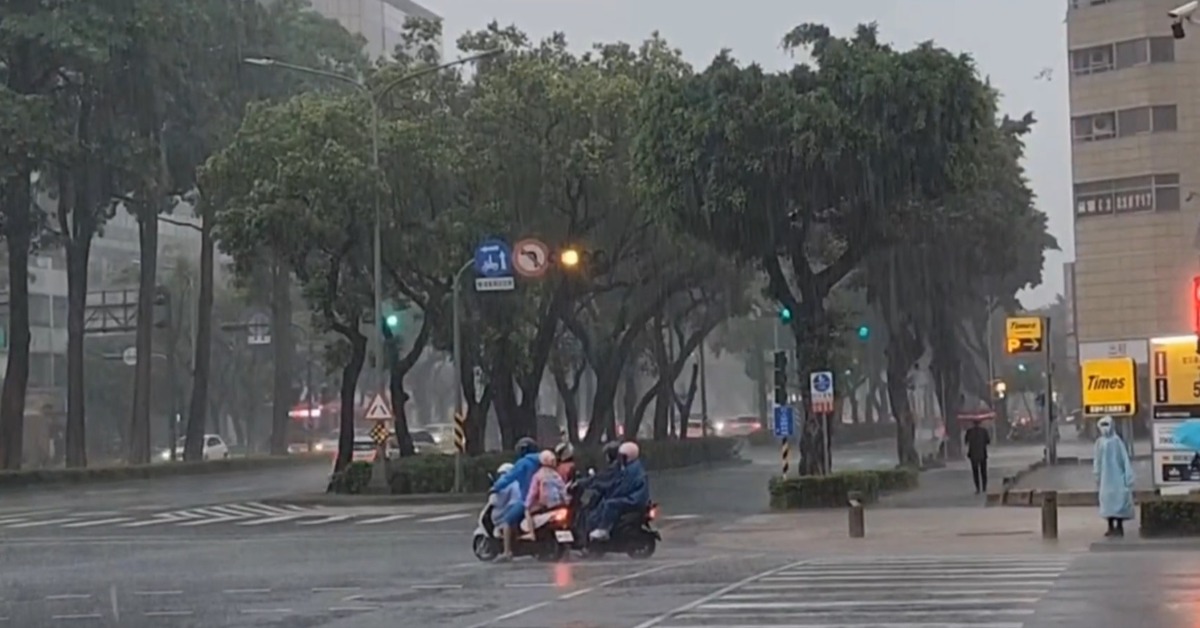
[{"x": 25, "y": 478}]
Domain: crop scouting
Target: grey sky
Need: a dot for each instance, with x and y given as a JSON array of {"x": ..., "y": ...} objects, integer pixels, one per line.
[{"x": 1012, "y": 41}]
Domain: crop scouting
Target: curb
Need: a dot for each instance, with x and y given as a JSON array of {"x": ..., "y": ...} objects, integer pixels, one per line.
[
  {"x": 1029, "y": 497},
  {"x": 1145, "y": 545}
]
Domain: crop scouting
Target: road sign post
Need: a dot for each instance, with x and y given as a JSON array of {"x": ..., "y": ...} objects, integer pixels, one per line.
[
  {"x": 1031, "y": 334},
  {"x": 493, "y": 267},
  {"x": 258, "y": 330},
  {"x": 380, "y": 412},
  {"x": 1051, "y": 424},
  {"x": 460, "y": 447},
  {"x": 784, "y": 425},
  {"x": 820, "y": 390}
]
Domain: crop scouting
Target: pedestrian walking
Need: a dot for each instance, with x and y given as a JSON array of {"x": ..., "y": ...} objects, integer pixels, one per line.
[
  {"x": 977, "y": 440},
  {"x": 1114, "y": 478}
]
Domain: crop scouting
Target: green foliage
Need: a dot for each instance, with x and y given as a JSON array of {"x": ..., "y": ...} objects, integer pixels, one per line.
[
  {"x": 1166, "y": 518},
  {"x": 434, "y": 473},
  {"x": 831, "y": 491}
]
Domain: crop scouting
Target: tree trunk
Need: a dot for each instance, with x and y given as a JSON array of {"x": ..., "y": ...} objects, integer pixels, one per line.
[
  {"x": 18, "y": 227},
  {"x": 629, "y": 398},
  {"x": 897, "y": 389},
  {"x": 139, "y": 425},
  {"x": 78, "y": 249},
  {"x": 570, "y": 400},
  {"x": 193, "y": 448},
  {"x": 350, "y": 373},
  {"x": 282, "y": 349}
]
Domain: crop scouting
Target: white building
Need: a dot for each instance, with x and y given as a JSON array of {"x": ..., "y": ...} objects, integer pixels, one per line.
[{"x": 380, "y": 21}]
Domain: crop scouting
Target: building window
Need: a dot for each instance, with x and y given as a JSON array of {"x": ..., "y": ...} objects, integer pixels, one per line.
[
  {"x": 1125, "y": 123},
  {"x": 1159, "y": 192},
  {"x": 1121, "y": 55}
]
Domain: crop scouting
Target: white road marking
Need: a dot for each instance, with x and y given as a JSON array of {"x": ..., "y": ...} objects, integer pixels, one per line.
[
  {"x": 436, "y": 587},
  {"x": 167, "y": 613},
  {"x": 244, "y": 591},
  {"x": 529, "y": 585},
  {"x": 81, "y": 616},
  {"x": 351, "y": 609},
  {"x": 100, "y": 522},
  {"x": 367, "y": 522},
  {"x": 680, "y": 517},
  {"x": 42, "y": 522},
  {"x": 263, "y": 522},
  {"x": 266, "y": 611},
  {"x": 158, "y": 519},
  {"x": 173, "y": 592},
  {"x": 317, "y": 522},
  {"x": 13, "y": 520},
  {"x": 335, "y": 589},
  {"x": 452, "y": 517},
  {"x": 714, "y": 595},
  {"x": 69, "y": 596}
]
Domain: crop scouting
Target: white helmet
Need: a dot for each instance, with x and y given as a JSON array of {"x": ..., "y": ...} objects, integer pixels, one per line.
[
  {"x": 629, "y": 450},
  {"x": 504, "y": 468}
]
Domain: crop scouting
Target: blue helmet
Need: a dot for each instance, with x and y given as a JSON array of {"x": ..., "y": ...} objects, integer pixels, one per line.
[{"x": 526, "y": 446}]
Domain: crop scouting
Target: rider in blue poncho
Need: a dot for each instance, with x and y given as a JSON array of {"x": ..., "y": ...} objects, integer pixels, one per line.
[
  {"x": 521, "y": 474},
  {"x": 630, "y": 493},
  {"x": 1114, "y": 478}
]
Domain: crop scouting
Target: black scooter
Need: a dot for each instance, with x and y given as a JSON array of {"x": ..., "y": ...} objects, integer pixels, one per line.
[{"x": 633, "y": 534}]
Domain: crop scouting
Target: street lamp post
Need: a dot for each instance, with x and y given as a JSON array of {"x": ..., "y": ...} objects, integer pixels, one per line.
[
  {"x": 373, "y": 98},
  {"x": 456, "y": 323}
]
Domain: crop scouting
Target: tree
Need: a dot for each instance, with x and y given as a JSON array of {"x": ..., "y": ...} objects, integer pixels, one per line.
[
  {"x": 297, "y": 180},
  {"x": 806, "y": 172}
]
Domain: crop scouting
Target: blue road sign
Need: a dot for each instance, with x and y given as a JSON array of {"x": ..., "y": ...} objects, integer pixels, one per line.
[
  {"x": 822, "y": 381},
  {"x": 493, "y": 259},
  {"x": 785, "y": 421}
]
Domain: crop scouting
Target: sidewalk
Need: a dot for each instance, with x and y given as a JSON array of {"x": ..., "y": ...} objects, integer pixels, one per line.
[
  {"x": 952, "y": 486},
  {"x": 937, "y": 531},
  {"x": 1078, "y": 477}
]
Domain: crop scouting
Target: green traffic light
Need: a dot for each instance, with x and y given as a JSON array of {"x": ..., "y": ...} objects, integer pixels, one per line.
[
  {"x": 785, "y": 314},
  {"x": 864, "y": 332},
  {"x": 392, "y": 320}
]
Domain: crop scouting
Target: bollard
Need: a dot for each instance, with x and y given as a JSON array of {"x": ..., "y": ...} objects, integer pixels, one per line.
[
  {"x": 1050, "y": 515},
  {"x": 858, "y": 525}
]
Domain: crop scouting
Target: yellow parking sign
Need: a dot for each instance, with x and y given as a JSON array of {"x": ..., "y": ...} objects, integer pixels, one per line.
[{"x": 1109, "y": 387}]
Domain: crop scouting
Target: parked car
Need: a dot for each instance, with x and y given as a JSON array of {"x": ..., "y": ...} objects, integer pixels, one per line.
[
  {"x": 443, "y": 435},
  {"x": 214, "y": 449},
  {"x": 424, "y": 442}
]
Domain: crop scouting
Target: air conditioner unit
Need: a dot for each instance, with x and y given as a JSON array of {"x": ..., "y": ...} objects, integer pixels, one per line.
[{"x": 1102, "y": 127}]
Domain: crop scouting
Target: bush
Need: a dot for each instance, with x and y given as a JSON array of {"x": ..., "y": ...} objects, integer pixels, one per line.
[
  {"x": 434, "y": 473},
  {"x": 1161, "y": 518},
  {"x": 831, "y": 491},
  {"x": 843, "y": 434}
]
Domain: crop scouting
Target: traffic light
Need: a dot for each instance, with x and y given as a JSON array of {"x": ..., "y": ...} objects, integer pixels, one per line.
[
  {"x": 162, "y": 307},
  {"x": 785, "y": 317},
  {"x": 864, "y": 332},
  {"x": 392, "y": 321},
  {"x": 1196, "y": 310},
  {"x": 781, "y": 396},
  {"x": 1021, "y": 367}
]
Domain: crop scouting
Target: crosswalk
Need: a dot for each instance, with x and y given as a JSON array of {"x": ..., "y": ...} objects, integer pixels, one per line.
[
  {"x": 246, "y": 515},
  {"x": 240, "y": 514},
  {"x": 882, "y": 592}
]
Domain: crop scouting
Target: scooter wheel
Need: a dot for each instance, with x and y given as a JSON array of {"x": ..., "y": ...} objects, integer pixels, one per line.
[
  {"x": 485, "y": 548},
  {"x": 645, "y": 549}
]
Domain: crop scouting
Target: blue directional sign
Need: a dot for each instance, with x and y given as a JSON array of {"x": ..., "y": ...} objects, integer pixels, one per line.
[
  {"x": 785, "y": 421},
  {"x": 822, "y": 382},
  {"x": 493, "y": 258}
]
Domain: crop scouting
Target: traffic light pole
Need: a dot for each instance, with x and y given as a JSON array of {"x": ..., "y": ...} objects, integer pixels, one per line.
[{"x": 1051, "y": 427}]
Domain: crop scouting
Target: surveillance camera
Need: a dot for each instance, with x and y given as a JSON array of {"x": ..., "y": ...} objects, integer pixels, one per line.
[{"x": 1184, "y": 11}]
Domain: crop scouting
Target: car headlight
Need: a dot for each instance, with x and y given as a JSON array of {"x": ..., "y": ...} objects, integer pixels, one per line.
[
  {"x": 719, "y": 426},
  {"x": 165, "y": 455}
]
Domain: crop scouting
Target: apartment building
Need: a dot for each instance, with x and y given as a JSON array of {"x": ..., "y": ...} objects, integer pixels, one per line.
[
  {"x": 380, "y": 21},
  {"x": 1134, "y": 99}
]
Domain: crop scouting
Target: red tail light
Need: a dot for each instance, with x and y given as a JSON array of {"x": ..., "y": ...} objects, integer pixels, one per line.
[{"x": 560, "y": 515}]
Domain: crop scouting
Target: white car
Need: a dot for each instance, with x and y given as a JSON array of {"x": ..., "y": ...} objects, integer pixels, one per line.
[{"x": 214, "y": 449}]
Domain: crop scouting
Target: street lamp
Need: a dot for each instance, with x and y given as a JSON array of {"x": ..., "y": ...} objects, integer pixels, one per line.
[
  {"x": 569, "y": 258},
  {"x": 373, "y": 97}
]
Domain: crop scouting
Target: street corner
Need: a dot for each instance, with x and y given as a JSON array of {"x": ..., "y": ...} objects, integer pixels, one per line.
[{"x": 903, "y": 531}]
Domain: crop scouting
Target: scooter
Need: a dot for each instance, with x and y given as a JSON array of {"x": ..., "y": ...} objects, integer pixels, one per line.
[
  {"x": 633, "y": 534},
  {"x": 552, "y": 537}
]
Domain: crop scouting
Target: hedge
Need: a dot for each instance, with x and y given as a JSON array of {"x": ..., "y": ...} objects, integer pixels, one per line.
[
  {"x": 831, "y": 491},
  {"x": 1162, "y": 518},
  {"x": 434, "y": 473},
  {"x": 121, "y": 473},
  {"x": 843, "y": 434}
]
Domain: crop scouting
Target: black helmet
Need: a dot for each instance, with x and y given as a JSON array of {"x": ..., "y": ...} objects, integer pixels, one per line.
[
  {"x": 526, "y": 446},
  {"x": 564, "y": 452},
  {"x": 610, "y": 451}
]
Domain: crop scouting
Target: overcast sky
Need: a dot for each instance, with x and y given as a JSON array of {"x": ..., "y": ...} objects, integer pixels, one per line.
[{"x": 1013, "y": 41}]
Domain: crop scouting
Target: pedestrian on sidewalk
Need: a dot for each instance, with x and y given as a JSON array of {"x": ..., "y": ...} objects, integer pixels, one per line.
[
  {"x": 977, "y": 440},
  {"x": 1114, "y": 478}
]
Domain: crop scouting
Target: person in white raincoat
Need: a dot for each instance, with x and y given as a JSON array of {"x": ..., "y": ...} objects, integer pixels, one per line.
[{"x": 1114, "y": 478}]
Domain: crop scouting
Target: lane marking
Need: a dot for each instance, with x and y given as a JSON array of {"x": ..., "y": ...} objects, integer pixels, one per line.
[
  {"x": 317, "y": 522},
  {"x": 69, "y": 596},
  {"x": 43, "y": 522},
  {"x": 600, "y": 585},
  {"x": 436, "y": 587},
  {"x": 835, "y": 604},
  {"x": 715, "y": 595},
  {"x": 266, "y": 611},
  {"x": 13, "y": 520},
  {"x": 100, "y": 522},
  {"x": 180, "y": 613},
  {"x": 367, "y": 522},
  {"x": 442, "y": 518},
  {"x": 351, "y": 609},
  {"x": 79, "y": 616},
  {"x": 529, "y": 585},
  {"x": 263, "y": 522},
  {"x": 175, "y": 592},
  {"x": 955, "y": 614},
  {"x": 335, "y": 589},
  {"x": 244, "y": 591}
]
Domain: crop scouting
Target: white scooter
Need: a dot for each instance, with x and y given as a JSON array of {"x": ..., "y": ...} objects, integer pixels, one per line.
[{"x": 552, "y": 537}]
